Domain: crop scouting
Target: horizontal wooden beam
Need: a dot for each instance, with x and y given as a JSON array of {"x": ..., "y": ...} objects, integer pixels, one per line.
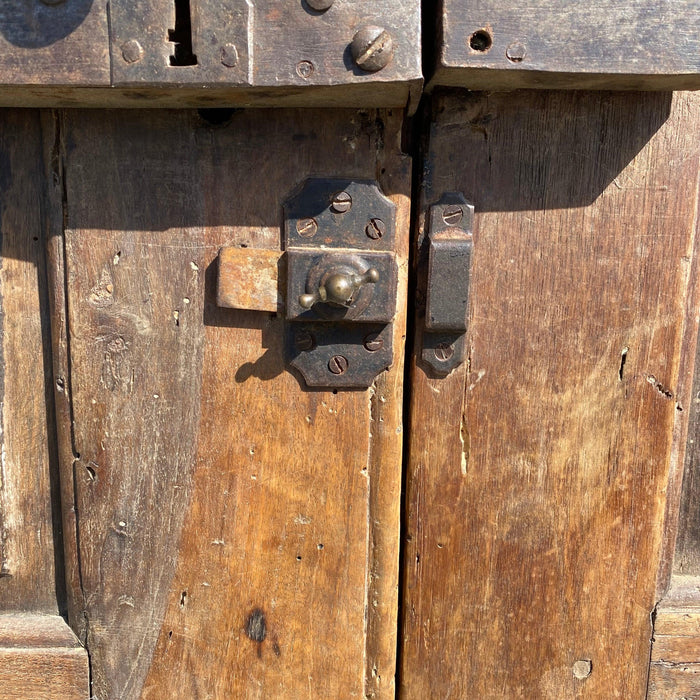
[
  {"x": 608, "y": 44},
  {"x": 40, "y": 658}
]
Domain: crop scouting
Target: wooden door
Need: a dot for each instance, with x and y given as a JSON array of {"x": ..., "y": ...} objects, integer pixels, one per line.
[
  {"x": 543, "y": 473},
  {"x": 235, "y": 534}
]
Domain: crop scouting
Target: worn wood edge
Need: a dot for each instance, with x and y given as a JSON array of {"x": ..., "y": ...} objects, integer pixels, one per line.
[
  {"x": 380, "y": 95},
  {"x": 497, "y": 79},
  {"x": 40, "y": 657},
  {"x": 684, "y": 396},
  {"x": 55, "y": 262},
  {"x": 386, "y": 458}
]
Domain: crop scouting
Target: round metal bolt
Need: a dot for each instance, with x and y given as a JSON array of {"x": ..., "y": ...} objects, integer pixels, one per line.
[
  {"x": 304, "y": 341},
  {"x": 338, "y": 364},
  {"x": 305, "y": 69},
  {"x": 582, "y": 669},
  {"x": 373, "y": 342},
  {"x": 516, "y": 52},
  {"x": 307, "y": 228},
  {"x": 452, "y": 214},
  {"x": 375, "y": 229},
  {"x": 372, "y": 48},
  {"x": 319, "y": 5},
  {"x": 53, "y": 2},
  {"x": 132, "y": 51},
  {"x": 443, "y": 352},
  {"x": 341, "y": 202},
  {"x": 229, "y": 55}
]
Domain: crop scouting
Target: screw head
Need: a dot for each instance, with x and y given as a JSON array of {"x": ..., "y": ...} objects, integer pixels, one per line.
[
  {"x": 515, "y": 53},
  {"x": 304, "y": 341},
  {"x": 582, "y": 669},
  {"x": 319, "y": 5},
  {"x": 53, "y": 2},
  {"x": 307, "y": 228},
  {"x": 372, "y": 48},
  {"x": 452, "y": 214},
  {"x": 338, "y": 364},
  {"x": 444, "y": 352},
  {"x": 341, "y": 202},
  {"x": 305, "y": 69},
  {"x": 375, "y": 229},
  {"x": 373, "y": 342},
  {"x": 229, "y": 55},
  {"x": 132, "y": 51}
]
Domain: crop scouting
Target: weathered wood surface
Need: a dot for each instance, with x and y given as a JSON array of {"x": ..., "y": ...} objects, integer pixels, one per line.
[
  {"x": 41, "y": 659},
  {"x": 238, "y": 533},
  {"x": 674, "y": 673},
  {"x": 29, "y": 469},
  {"x": 249, "y": 279},
  {"x": 538, "y": 472},
  {"x": 93, "y": 53},
  {"x": 606, "y": 44}
]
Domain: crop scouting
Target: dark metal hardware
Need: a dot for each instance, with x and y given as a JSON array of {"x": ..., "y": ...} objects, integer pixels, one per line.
[
  {"x": 450, "y": 246},
  {"x": 341, "y": 282}
]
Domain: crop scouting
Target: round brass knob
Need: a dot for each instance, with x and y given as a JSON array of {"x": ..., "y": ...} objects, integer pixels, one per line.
[{"x": 339, "y": 289}]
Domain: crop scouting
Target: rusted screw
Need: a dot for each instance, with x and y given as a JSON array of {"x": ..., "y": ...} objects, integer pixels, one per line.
[
  {"x": 372, "y": 48},
  {"x": 229, "y": 55},
  {"x": 304, "y": 341},
  {"x": 373, "y": 342},
  {"x": 341, "y": 202},
  {"x": 443, "y": 352},
  {"x": 375, "y": 229},
  {"x": 338, "y": 364},
  {"x": 305, "y": 69},
  {"x": 307, "y": 227},
  {"x": 516, "y": 52},
  {"x": 452, "y": 214},
  {"x": 132, "y": 51},
  {"x": 319, "y": 5}
]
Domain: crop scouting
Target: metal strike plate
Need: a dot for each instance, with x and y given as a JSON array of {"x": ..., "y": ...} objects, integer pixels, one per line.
[
  {"x": 340, "y": 235},
  {"x": 450, "y": 247}
]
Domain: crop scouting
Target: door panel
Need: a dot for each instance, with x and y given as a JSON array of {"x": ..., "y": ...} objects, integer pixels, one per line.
[
  {"x": 238, "y": 532},
  {"x": 538, "y": 472}
]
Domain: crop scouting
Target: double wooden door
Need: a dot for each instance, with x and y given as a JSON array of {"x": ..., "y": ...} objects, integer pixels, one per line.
[{"x": 226, "y": 531}]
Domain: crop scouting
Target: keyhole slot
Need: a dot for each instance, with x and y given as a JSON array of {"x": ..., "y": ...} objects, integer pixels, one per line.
[{"x": 181, "y": 36}]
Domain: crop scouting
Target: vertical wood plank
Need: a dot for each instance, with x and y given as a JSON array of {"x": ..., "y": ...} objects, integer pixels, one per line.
[
  {"x": 538, "y": 471},
  {"x": 27, "y": 569},
  {"x": 234, "y": 527}
]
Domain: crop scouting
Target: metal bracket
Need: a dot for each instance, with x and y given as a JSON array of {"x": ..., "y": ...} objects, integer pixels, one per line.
[
  {"x": 341, "y": 281},
  {"x": 450, "y": 245}
]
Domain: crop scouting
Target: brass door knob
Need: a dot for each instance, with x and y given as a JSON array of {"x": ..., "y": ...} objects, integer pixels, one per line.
[{"x": 339, "y": 289}]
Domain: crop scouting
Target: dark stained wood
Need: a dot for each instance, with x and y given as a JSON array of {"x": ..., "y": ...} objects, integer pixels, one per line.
[
  {"x": 606, "y": 44},
  {"x": 238, "y": 533},
  {"x": 538, "y": 472},
  {"x": 27, "y": 570},
  {"x": 41, "y": 659}
]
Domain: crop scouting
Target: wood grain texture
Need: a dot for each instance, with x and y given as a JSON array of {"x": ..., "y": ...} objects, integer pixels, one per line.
[
  {"x": 27, "y": 571},
  {"x": 54, "y": 44},
  {"x": 537, "y": 474},
  {"x": 238, "y": 533},
  {"x": 606, "y": 44},
  {"x": 674, "y": 673},
  {"x": 41, "y": 659}
]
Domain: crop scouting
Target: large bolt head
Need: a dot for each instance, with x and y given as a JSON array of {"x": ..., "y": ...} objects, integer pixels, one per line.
[{"x": 372, "y": 48}]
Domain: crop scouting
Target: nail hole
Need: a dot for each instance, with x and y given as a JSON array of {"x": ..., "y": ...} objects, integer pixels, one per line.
[
  {"x": 216, "y": 117},
  {"x": 481, "y": 41},
  {"x": 298, "y": 557},
  {"x": 320, "y": 546}
]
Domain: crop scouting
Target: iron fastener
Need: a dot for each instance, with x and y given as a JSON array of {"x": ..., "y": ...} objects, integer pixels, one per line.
[
  {"x": 373, "y": 342},
  {"x": 452, "y": 214},
  {"x": 444, "y": 352},
  {"x": 319, "y": 5},
  {"x": 132, "y": 51},
  {"x": 304, "y": 341},
  {"x": 229, "y": 55},
  {"x": 307, "y": 228},
  {"x": 338, "y": 364},
  {"x": 375, "y": 229},
  {"x": 372, "y": 48},
  {"x": 341, "y": 202}
]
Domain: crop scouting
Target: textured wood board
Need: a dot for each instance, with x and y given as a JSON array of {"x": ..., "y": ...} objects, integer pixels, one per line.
[
  {"x": 249, "y": 279},
  {"x": 41, "y": 659},
  {"x": 29, "y": 471},
  {"x": 606, "y": 44},
  {"x": 59, "y": 44},
  {"x": 538, "y": 472},
  {"x": 219, "y": 501}
]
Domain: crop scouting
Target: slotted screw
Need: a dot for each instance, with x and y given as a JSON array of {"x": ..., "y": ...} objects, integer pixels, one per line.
[
  {"x": 319, "y": 5},
  {"x": 373, "y": 342},
  {"x": 341, "y": 202},
  {"x": 338, "y": 364},
  {"x": 443, "y": 352},
  {"x": 307, "y": 227},
  {"x": 375, "y": 229},
  {"x": 372, "y": 48},
  {"x": 452, "y": 214},
  {"x": 304, "y": 341}
]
